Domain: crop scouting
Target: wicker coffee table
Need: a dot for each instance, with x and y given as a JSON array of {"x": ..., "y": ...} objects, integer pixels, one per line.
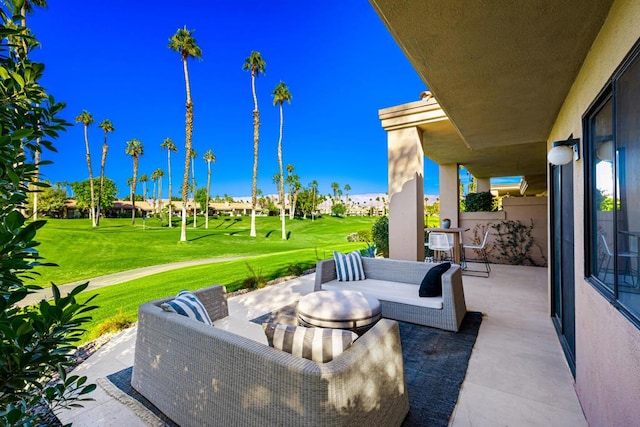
[{"x": 336, "y": 309}]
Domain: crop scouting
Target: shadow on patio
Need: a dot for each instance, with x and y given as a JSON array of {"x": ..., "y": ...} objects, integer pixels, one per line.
[{"x": 517, "y": 372}]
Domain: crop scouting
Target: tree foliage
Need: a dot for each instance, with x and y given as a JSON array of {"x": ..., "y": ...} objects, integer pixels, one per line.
[
  {"x": 51, "y": 200},
  {"x": 480, "y": 202},
  {"x": 37, "y": 342},
  {"x": 380, "y": 235},
  {"x": 338, "y": 209},
  {"x": 82, "y": 193}
]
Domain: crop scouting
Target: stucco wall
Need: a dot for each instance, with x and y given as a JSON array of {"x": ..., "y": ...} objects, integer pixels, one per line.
[
  {"x": 523, "y": 209},
  {"x": 607, "y": 345}
]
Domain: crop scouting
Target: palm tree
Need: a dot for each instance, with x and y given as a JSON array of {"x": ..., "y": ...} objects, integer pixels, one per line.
[
  {"x": 280, "y": 94},
  {"x": 135, "y": 150},
  {"x": 168, "y": 145},
  {"x": 86, "y": 118},
  {"x": 256, "y": 65},
  {"x": 289, "y": 169},
  {"x": 184, "y": 43},
  {"x": 347, "y": 188},
  {"x": 208, "y": 157},
  {"x": 194, "y": 154},
  {"x": 27, "y": 8},
  {"x": 107, "y": 127},
  {"x": 156, "y": 176},
  {"x": 289, "y": 180},
  {"x": 314, "y": 191},
  {"x": 143, "y": 180},
  {"x": 130, "y": 185},
  {"x": 335, "y": 187},
  {"x": 294, "y": 188},
  {"x": 154, "y": 179}
]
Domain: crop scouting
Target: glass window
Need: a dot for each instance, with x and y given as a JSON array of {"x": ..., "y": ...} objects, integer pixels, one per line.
[{"x": 613, "y": 138}]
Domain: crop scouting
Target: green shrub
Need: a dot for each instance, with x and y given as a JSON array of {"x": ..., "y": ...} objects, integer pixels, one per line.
[
  {"x": 294, "y": 270},
  {"x": 364, "y": 236},
  {"x": 380, "y": 235},
  {"x": 113, "y": 324},
  {"x": 480, "y": 202},
  {"x": 338, "y": 209},
  {"x": 255, "y": 280},
  {"x": 37, "y": 341}
]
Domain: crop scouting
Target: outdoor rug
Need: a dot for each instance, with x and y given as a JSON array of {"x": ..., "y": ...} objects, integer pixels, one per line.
[{"x": 435, "y": 364}]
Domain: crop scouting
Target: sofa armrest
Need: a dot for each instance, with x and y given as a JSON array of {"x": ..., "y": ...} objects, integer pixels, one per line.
[
  {"x": 325, "y": 272},
  {"x": 214, "y": 299}
]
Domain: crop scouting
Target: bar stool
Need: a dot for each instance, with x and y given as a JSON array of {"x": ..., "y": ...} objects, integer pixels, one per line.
[
  {"x": 439, "y": 243},
  {"x": 481, "y": 250}
]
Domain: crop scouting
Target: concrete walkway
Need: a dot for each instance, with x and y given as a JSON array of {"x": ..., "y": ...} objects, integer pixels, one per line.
[
  {"x": 120, "y": 277},
  {"x": 517, "y": 373}
]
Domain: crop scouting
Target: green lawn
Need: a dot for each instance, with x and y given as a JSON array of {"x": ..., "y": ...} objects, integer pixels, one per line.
[
  {"x": 82, "y": 252},
  {"x": 122, "y": 300}
]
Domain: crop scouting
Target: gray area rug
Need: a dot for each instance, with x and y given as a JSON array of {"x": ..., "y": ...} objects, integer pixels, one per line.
[{"x": 435, "y": 364}]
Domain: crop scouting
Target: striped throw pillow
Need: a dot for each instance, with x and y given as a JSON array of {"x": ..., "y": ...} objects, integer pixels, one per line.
[
  {"x": 187, "y": 304},
  {"x": 318, "y": 344},
  {"x": 348, "y": 266}
]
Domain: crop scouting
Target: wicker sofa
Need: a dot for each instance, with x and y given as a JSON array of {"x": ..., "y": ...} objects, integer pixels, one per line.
[
  {"x": 395, "y": 283},
  {"x": 201, "y": 375}
]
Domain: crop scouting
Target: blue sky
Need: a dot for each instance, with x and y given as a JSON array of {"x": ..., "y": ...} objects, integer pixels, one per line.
[{"x": 337, "y": 58}]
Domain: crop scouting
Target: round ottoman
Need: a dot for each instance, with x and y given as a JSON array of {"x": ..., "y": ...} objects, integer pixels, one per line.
[{"x": 350, "y": 310}]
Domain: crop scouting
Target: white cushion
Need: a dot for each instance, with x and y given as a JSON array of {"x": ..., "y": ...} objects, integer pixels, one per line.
[
  {"x": 403, "y": 293},
  {"x": 242, "y": 327},
  {"x": 348, "y": 266}
]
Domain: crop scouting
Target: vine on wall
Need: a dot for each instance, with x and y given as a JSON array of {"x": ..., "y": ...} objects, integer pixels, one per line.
[{"x": 514, "y": 243}]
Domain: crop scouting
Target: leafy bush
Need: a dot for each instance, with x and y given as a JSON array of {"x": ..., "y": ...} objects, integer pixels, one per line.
[
  {"x": 38, "y": 341},
  {"x": 369, "y": 251},
  {"x": 255, "y": 280},
  {"x": 380, "y": 235},
  {"x": 294, "y": 270},
  {"x": 480, "y": 202},
  {"x": 360, "y": 236},
  {"x": 338, "y": 209},
  {"x": 113, "y": 324},
  {"x": 365, "y": 236}
]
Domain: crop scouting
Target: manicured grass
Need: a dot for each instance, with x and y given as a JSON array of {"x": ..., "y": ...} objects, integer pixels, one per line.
[
  {"x": 83, "y": 252},
  {"x": 432, "y": 221},
  {"x": 123, "y": 300}
]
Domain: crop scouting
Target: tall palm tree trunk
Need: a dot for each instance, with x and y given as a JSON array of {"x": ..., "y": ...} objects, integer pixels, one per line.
[
  {"x": 159, "y": 199},
  {"x": 103, "y": 160},
  {"x": 281, "y": 183},
  {"x": 170, "y": 201},
  {"x": 133, "y": 191},
  {"x": 206, "y": 211},
  {"x": 92, "y": 213},
  {"x": 193, "y": 191},
  {"x": 256, "y": 135},
  {"x": 187, "y": 154}
]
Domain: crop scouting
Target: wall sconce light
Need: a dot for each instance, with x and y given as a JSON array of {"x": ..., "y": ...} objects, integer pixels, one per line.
[{"x": 562, "y": 152}]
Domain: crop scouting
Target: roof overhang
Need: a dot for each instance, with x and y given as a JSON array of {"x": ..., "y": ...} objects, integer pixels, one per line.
[{"x": 500, "y": 73}]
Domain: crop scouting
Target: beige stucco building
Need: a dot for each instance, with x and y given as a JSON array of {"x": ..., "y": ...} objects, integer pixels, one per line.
[{"x": 508, "y": 79}]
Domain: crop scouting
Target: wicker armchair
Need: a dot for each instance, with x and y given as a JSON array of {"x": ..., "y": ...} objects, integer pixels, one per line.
[{"x": 201, "y": 375}]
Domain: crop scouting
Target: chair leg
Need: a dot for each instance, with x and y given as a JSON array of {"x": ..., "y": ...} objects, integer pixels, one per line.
[{"x": 486, "y": 262}]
